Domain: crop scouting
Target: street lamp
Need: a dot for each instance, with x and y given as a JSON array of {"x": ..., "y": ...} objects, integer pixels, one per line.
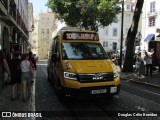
[
  {"x": 30, "y": 45},
  {"x": 32, "y": 28},
  {"x": 121, "y": 42}
]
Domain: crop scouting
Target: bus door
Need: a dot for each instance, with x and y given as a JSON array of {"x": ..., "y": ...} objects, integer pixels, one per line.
[{"x": 55, "y": 58}]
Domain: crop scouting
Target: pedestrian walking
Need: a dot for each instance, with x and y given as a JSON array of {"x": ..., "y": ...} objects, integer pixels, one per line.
[
  {"x": 15, "y": 74},
  {"x": 149, "y": 66},
  {"x": 26, "y": 75},
  {"x": 139, "y": 65},
  {"x": 31, "y": 58}
]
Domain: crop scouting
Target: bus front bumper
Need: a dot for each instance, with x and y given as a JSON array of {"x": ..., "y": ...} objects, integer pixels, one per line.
[{"x": 92, "y": 91}]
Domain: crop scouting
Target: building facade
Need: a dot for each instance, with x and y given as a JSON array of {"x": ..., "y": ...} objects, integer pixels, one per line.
[
  {"x": 110, "y": 36},
  {"x": 30, "y": 25},
  {"x": 13, "y": 27},
  {"x": 42, "y": 35},
  {"x": 150, "y": 22}
]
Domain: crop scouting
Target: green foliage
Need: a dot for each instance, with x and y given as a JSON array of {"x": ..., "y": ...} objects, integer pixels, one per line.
[{"x": 85, "y": 13}]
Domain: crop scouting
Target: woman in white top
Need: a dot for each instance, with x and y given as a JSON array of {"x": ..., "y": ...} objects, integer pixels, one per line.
[
  {"x": 26, "y": 75},
  {"x": 139, "y": 65}
]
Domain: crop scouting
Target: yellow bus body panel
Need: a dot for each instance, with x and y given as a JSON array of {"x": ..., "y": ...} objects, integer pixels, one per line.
[{"x": 89, "y": 67}]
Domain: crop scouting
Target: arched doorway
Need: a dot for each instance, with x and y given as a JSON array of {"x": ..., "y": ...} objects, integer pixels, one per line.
[
  {"x": 5, "y": 45},
  {"x": 5, "y": 39}
]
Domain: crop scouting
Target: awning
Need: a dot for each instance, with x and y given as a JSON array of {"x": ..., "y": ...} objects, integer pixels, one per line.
[{"x": 149, "y": 37}]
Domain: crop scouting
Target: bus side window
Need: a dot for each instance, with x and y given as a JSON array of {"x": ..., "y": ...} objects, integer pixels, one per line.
[
  {"x": 55, "y": 50},
  {"x": 54, "y": 44},
  {"x": 64, "y": 53}
]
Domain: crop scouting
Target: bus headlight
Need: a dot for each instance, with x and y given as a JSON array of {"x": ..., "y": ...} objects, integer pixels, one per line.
[
  {"x": 116, "y": 73},
  {"x": 69, "y": 75}
]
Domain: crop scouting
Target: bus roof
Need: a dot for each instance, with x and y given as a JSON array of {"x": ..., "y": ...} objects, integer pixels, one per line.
[
  {"x": 76, "y": 29},
  {"x": 75, "y": 33}
]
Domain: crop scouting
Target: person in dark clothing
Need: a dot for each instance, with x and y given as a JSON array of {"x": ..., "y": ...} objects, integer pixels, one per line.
[
  {"x": 31, "y": 58},
  {"x": 15, "y": 74},
  {"x": 149, "y": 65}
]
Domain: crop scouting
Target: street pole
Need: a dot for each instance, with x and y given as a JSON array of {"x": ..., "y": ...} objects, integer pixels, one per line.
[{"x": 121, "y": 42}]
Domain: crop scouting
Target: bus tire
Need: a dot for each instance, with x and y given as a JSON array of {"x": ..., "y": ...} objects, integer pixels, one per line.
[
  {"x": 48, "y": 77},
  {"x": 60, "y": 92}
]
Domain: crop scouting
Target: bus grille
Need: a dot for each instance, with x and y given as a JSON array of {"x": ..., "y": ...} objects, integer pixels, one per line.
[{"x": 97, "y": 77}]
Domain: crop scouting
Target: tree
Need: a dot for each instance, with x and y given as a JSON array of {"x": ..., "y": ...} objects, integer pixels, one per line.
[
  {"x": 86, "y": 13},
  {"x": 128, "y": 63}
]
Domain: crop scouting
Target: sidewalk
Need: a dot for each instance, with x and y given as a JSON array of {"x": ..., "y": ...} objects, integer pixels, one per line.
[
  {"x": 6, "y": 105},
  {"x": 153, "y": 80}
]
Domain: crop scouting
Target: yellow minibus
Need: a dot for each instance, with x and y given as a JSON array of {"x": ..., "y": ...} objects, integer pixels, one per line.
[{"x": 78, "y": 65}]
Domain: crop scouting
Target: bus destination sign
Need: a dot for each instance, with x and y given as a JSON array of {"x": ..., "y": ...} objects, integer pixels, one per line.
[{"x": 80, "y": 36}]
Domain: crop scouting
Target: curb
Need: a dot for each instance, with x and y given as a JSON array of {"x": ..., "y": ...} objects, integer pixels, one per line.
[
  {"x": 32, "y": 99},
  {"x": 144, "y": 83}
]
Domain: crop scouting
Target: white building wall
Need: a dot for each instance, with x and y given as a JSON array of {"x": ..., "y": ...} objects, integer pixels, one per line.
[
  {"x": 128, "y": 15},
  {"x": 145, "y": 21},
  {"x": 106, "y": 35},
  {"x": 30, "y": 23}
]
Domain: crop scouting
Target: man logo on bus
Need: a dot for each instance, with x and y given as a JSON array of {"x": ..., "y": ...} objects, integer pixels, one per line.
[{"x": 98, "y": 77}]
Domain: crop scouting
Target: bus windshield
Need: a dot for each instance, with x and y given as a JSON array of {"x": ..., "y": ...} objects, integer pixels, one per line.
[{"x": 82, "y": 51}]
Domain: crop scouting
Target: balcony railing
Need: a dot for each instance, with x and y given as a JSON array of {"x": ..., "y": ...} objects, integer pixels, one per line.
[
  {"x": 151, "y": 14},
  {"x": 5, "y": 3},
  {"x": 12, "y": 10}
]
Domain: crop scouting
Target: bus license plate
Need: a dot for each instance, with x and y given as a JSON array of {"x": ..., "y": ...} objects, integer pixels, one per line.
[
  {"x": 99, "y": 91},
  {"x": 113, "y": 90}
]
